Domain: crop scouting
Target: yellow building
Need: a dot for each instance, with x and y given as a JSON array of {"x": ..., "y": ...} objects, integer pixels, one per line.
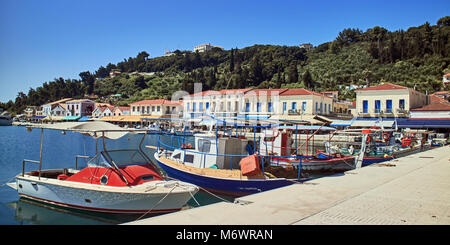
[
  {"x": 388, "y": 100},
  {"x": 306, "y": 102}
]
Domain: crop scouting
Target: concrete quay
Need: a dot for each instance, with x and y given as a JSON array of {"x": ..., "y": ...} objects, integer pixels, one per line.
[{"x": 413, "y": 190}]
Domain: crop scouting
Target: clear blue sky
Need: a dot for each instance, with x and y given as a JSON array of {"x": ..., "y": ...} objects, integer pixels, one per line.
[{"x": 45, "y": 39}]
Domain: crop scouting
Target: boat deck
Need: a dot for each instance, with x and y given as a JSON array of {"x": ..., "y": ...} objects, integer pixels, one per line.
[{"x": 411, "y": 190}]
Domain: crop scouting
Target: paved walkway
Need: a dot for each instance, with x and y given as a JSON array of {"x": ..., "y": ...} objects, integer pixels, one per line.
[{"x": 411, "y": 190}]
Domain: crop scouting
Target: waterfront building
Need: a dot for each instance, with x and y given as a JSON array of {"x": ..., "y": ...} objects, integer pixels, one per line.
[
  {"x": 437, "y": 109},
  {"x": 388, "y": 100},
  {"x": 158, "y": 107},
  {"x": 58, "y": 110},
  {"x": 301, "y": 101},
  {"x": 435, "y": 116},
  {"x": 47, "y": 108},
  {"x": 261, "y": 103},
  {"x": 80, "y": 107},
  {"x": 103, "y": 111},
  {"x": 121, "y": 110}
]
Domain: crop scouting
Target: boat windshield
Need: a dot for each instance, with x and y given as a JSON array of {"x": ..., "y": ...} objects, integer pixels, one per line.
[{"x": 121, "y": 158}]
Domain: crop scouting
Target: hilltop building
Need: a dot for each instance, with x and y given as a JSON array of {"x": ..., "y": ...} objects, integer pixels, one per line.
[
  {"x": 205, "y": 47},
  {"x": 307, "y": 46},
  {"x": 446, "y": 79}
]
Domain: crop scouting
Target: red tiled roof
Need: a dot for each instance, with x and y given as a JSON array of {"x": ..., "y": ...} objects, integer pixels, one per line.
[
  {"x": 299, "y": 91},
  {"x": 442, "y": 92},
  {"x": 156, "y": 102},
  {"x": 205, "y": 93},
  {"x": 266, "y": 92},
  {"x": 436, "y": 104},
  {"x": 385, "y": 86},
  {"x": 234, "y": 91},
  {"x": 123, "y": 108}
]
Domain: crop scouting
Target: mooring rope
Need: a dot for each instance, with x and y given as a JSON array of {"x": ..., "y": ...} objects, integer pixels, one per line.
[
  {"x": 154, "y": 206},
  {"x": 7, "y": 181}
]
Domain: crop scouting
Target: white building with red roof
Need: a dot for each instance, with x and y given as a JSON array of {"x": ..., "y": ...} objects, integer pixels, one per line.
[
  {"x": 121, "y": 111},
  {"x": 388, "y": 100},
  {"x": 158, "y": 107},
  {"x": 103, "y": 111},
  {"x": 223, "y": 103},
  {"x": 446, "y": 79}
]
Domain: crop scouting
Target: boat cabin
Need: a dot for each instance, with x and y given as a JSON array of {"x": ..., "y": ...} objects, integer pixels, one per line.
[{"x": 209, "y": 152}]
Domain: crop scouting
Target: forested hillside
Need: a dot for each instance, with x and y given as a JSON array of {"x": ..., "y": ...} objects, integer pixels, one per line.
[{"x": 417, "y": 57}]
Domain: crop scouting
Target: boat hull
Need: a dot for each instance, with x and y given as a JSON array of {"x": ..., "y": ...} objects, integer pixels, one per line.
[
  {"x": 5, "y": 122},
  {"x": 224, "y": 186},
  {"x": 319, "y": 165},
  {"x": 94, "y": 199}
]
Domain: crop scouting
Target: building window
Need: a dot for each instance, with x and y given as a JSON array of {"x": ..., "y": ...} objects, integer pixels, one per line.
[
  {"x": 377, "y": 106},
  {"x": 207, "y": 105},
  {"x": 153, "y": 107},
  {"x": 401, "y": 104},
  {"x": 269, "y": 105},
  {"x": 258, "y": 107},
  {"x": 158, "y": 108},
  {"x": 284, "y": 107},
  {"x": 200, "y": 106},
  {"x": 247, "y": 107},
  {"x": 294, "y": 106},
  {"x": 365, "y": 106},
  {"x": 317, "y": 107},
  {"x": 193, "y": 106},
  {"x": 388, "y": 106},
  {"x": 303, "y": 106},
  {"x": 329, "y": 108},
  {"x": 188, "y": 106}
]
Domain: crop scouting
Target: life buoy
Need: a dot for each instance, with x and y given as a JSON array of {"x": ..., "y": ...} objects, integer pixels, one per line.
[{"x": 386, "y": 136}]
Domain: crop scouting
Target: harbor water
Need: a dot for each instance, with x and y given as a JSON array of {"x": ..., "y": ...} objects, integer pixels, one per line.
[{"x": 59, "y": 151}]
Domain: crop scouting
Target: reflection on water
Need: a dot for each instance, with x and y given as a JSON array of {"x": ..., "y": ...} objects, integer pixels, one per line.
[{"x": 30, "y": 212}]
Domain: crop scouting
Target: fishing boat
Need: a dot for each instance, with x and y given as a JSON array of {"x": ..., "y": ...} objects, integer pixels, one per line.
[
  {"x": 5, "y": 119},
  {"x": 225, "y": 164},
  {"x": 114, "y": 181},
  {"x": 278, "y": 141}
]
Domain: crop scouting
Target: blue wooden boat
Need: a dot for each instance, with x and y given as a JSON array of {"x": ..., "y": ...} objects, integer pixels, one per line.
[{"x": 213, "y": 163}]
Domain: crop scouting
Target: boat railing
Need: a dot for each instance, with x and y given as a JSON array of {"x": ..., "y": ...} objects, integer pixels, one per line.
[
  {"x": 30, "y": 161},
  {"x": 78, "y": 156}
]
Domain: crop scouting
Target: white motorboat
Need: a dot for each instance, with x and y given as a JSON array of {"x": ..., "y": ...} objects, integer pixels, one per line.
[{"x": 114, "y": 181}]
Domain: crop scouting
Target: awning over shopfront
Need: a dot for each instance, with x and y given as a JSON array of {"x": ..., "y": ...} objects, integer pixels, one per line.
[
  {"x": 71, "y": 118},
  {"x": 341, "y": 123},
  {"x": 423, "y": 123},
  {"x": 38, "y": 117},
  {"x": 53, "y": 118},
  {"x": 84, "y": 119},
  {"x": 297, "y": 119}
]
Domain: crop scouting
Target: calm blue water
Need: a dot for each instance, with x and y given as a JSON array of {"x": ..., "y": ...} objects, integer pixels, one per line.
[{"x": 59, "y": 151}]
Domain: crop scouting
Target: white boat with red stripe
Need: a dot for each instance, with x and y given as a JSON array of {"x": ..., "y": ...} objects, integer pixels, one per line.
[{"x": 114, "y": 181}]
